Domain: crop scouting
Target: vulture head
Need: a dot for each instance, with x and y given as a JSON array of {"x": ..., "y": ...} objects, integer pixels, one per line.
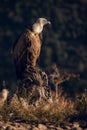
[{"x": 37, "y": 27}]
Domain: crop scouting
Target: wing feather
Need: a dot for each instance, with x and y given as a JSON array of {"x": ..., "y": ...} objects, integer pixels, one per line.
[{"x": 26, "y": 51}]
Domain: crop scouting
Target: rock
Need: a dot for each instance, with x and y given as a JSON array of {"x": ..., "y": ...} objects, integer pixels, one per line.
[
  {"x": 42, "y": 127},
  {"x": 10, "y": 128},
  {"x": 19, "y": 125},
  {"x": 35, "y": 128},
  {"x": 79, "y": 128},
  {"x": 2, "y": 128},
  {"x": 3, "y": 97},
  {"x": 75, "y": 125},
  {"x": 59, "y": 128},
  {"x": 67, "y": 127},
  {"x": 51, "y": 127}
]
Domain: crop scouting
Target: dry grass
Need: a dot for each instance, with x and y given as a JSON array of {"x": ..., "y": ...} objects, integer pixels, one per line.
[
  {"x": 57, "y": 112},
  {"x": 82, "y": 104},
  {"x": 60, "y": 110}
]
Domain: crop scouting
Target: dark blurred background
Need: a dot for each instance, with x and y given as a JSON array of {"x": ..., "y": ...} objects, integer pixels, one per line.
[{"x": 64, "y": 42}]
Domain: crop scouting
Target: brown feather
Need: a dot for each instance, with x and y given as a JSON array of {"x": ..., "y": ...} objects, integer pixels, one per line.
[{"x": 26, "y": 51}]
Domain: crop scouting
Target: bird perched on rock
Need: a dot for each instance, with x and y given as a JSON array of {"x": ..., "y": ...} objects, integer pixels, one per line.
[
  {"x": 26, "y": 53},
  {"x": 3, "y": 97},
  {"x": 37, "y": 27},
  {"x": 27, "y": 49}
]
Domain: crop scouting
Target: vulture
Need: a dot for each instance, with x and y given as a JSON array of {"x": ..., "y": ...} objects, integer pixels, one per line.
[{"x": 27, "y": 49}]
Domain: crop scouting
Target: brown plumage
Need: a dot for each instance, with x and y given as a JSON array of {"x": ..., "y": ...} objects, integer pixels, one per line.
[{"x": 27, "y": 49}]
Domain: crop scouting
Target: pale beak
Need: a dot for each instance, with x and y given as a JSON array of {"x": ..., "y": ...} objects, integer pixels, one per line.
[{"x": 49, "y": 22}]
